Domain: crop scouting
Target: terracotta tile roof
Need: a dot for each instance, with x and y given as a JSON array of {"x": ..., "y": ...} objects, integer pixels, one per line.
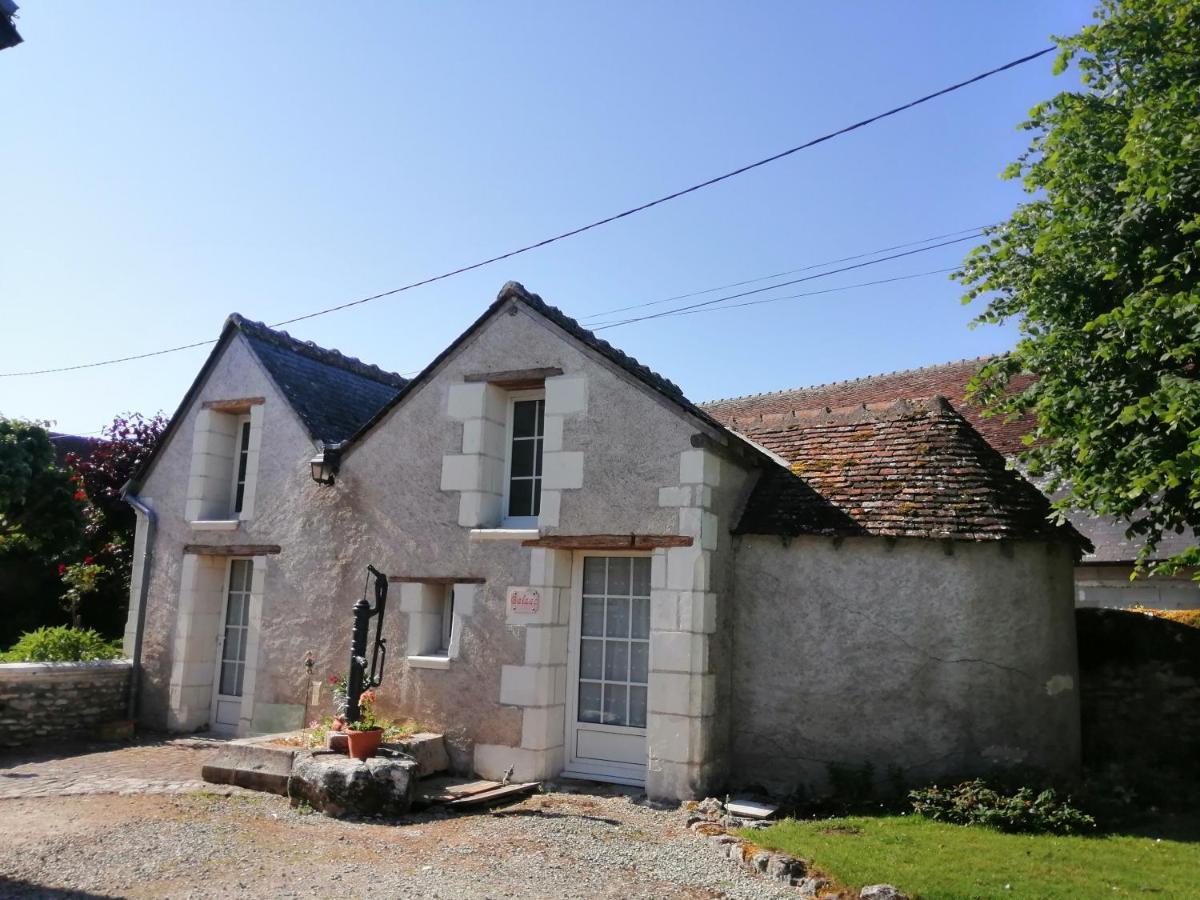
[
  {"x": 911, "y": 468},
  {"x": 946, "y": 380}
]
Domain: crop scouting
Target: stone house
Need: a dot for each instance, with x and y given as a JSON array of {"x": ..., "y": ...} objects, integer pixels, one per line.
[
  {"x": 594, "y": 576},
  {"x": 1102, "y": 577}
]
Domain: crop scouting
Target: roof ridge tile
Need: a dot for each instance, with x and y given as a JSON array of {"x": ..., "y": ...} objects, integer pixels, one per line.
[{"x": 316, "y": 352}]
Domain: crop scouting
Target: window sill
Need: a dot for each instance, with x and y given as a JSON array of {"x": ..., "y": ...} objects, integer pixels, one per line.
[
  {"x": 429, "y": 662},
  {"x": 504, "y": 534},
  {"x": 215, "y": 524}
]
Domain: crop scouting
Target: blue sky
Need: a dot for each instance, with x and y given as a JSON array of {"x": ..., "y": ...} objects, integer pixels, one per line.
[{"x": 166, "y": 164}]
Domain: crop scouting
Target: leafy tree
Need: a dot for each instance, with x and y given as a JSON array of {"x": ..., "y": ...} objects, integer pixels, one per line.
[
  {"x": 41, "y": 508},
  {"x": 107, "y": 541},
  {"x": 1102, "y": 269}
]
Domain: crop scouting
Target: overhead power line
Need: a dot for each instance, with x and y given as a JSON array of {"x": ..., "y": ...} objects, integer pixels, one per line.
[
  {"x": 832, "y": 290},
  {"x": 771, "y": 287},
  {"x": 829, "y": 262},
  {"x": 741, "y": 170}
]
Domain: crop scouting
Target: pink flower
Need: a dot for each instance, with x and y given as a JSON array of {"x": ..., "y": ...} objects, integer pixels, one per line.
[
  {"x": 61, "y": 569},
  {"x": 88, "y": 560}
]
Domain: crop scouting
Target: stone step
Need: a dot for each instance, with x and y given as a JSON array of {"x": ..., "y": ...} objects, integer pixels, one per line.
[
  {"x": 264, "y": 763},
  {"x": 252, "y": 765}
]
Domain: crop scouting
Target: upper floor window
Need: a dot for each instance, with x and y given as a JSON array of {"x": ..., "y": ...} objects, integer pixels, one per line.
[
  {"x": 241, "y": 461},
  {"x": 523, "y": 481},
  {"x": 225, "y": 452}
]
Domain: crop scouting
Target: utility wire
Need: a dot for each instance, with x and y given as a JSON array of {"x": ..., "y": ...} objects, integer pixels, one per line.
[
  {"x": 862, "y": 123},
  {"x": 771, "y": 287},
  {"x": 829, "y": 262},
  {"x": 832, "y": 290}
]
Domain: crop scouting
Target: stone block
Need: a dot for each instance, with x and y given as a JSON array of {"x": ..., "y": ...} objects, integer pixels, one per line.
[
  {"x": 429, "y": 751},
  {"x": 339, "y": 785},
  {"x": 466, "y": 401},
  {"x": 552, "y": 433},
  {"x": 462, "y": 472},
  {"x": 698, "y": 611},
  {"x": 257, "y": 767},
  {"x": 551, "y": 509},
  {"x": 530, "y": 685},
  {"x": 675, "y": 496},
  {"x": 549, "y": 568},
  {"x": 562, "y": 470},
  {"x": 493, "y": 760},
  {"x": 699, "y": 467},
  {"x": 678, "y": 651},
  {"x": 543, "y": 727},
  {"x": 687, "y": 569},
  {"x": 478, "y": 509},
  {"x": 667, "y": 780},
  {"x": 674, "y": 738},
  {"x": 664, "y": 610},
  {"x": 546, "y": 645},
  {"x": 566, "y": 394}
]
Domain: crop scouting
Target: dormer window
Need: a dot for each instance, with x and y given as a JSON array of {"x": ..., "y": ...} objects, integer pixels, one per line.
[
  {"x": 523, "y": 467},
  {"x": 242, "y": 459},
  {"x": 225, "y": 451}
]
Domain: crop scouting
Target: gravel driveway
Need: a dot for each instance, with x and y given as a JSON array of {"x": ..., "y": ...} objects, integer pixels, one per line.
[{"x": 602, "y": 843}]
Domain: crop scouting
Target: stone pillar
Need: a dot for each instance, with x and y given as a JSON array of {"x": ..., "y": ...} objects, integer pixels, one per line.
[
  {"x": 538, "y": 686},
  {"x": 680, "y": 722}
]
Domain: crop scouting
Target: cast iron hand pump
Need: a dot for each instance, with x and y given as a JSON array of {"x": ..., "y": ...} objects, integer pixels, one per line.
[{"x": 360, "y": 678}]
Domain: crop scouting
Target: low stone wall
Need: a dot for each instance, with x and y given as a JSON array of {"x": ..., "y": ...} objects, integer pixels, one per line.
[
  {"x": 55, "y": 701},
  {"x": 1140, "y": 695}
]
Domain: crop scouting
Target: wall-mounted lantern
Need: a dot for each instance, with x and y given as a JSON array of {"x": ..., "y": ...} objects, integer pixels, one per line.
[{"x": 325, "y": 464}]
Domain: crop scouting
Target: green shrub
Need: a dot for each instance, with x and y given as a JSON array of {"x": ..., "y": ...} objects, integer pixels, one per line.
[
  {"x": 61, "y": 644},
  {"x": 975, "y": 803}
]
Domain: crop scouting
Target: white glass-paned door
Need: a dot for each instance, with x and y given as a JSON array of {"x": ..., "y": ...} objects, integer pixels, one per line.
[
  {"x": 614, "y": 641},
  {"x": 237, "y": 627}
]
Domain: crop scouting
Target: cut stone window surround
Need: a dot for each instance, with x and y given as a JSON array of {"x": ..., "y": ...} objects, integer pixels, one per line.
[
  {"x": 437, "y": 613},
  {"x": 222, "y": 483},
  {"x": 202, "y": 599},
  {"x": 480, "y": 473}
]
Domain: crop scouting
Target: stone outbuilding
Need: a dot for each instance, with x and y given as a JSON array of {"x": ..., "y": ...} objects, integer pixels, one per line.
[
  {"x": 593, "y": 576},
  {"x": 1103, "y": 574}
]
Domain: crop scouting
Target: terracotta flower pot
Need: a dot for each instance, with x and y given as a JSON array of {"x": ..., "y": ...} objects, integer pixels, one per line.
[{"x": 363, "y": 744}]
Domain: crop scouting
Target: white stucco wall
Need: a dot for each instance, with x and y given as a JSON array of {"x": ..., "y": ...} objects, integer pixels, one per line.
[
  {"x": 900, "y": 654},
  {"x": 388, "y": 508}
]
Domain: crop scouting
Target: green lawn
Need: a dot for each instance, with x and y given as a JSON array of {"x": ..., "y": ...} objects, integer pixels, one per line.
[{"x": 933, "y": 861}]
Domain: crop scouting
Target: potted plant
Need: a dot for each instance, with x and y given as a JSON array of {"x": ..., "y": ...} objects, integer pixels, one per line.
[{"x": 365, "y": 734}]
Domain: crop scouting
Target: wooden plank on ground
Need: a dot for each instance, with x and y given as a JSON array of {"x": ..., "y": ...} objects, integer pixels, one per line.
[
  {"x": 501, "y": 792},
  {"x": 448, "y": 788}
]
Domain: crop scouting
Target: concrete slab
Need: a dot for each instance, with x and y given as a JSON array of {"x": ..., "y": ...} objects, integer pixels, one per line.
[{"x": 750, "y": 809}]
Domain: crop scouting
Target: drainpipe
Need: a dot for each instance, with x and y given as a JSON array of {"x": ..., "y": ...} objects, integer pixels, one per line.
[{"x": 135, "y": 677}]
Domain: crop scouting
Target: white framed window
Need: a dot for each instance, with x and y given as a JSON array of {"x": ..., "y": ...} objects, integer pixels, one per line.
[
  {"x": 523, "y": 458},
  {"x": 241, "y": 460}
]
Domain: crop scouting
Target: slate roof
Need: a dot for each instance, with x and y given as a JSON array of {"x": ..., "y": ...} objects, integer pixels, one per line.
[
  {"x": 516, "y": 292},
  {"x": 911, "y": 468},
  {"x": 946, "y": 380},
  {"x": 334, "y": 395}
]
